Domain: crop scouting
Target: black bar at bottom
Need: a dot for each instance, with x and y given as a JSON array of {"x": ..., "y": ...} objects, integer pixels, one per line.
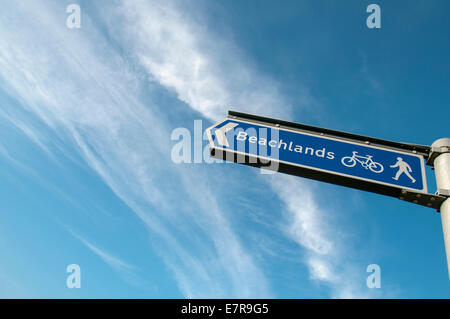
[{"x": 225, "y": 308}]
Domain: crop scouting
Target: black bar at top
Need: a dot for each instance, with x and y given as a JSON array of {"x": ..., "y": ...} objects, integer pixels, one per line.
[{"x": 422, "y": 149}]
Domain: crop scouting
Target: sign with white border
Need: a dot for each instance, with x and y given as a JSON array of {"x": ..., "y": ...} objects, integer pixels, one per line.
[{"x": 322, "y": 154}]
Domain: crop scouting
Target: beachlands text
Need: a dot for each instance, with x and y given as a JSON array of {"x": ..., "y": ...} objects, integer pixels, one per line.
[{"x": 275, "y": 143}]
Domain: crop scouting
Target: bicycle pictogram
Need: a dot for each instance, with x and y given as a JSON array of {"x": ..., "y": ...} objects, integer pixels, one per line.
[{"x": 365, "y": 161}]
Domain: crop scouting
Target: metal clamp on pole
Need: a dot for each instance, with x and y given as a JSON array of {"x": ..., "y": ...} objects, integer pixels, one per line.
[
  {"x": 437, "y": 148},
  {"x": 440, "y": 159},
  {"x": 424, "y": 199}
]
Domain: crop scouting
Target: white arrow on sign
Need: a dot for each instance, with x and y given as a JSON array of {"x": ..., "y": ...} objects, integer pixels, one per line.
[{"x": 220, "y": 133}]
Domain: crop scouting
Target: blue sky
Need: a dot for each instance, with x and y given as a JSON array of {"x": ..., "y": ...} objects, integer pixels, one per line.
[{"x": 86, "y": 173}]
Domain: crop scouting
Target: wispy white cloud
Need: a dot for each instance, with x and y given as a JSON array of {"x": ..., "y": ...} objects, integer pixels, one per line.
[
  {"x": 208, "y": 75},
  {"x": 205, "y": 70},
  {"x": 115, "y": 262},
  {"x": 125, "y": 270},
  {"x": 308, "y": 224},
  {"x": 88, "y": 101},
  {"x": 64, "y": 77}
]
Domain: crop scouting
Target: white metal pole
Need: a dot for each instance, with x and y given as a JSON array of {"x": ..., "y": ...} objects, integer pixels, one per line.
[{"x": 442, "y": 170}]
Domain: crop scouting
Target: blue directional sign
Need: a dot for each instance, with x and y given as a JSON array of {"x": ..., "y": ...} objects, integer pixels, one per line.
[{"x": 321, "y": 154}]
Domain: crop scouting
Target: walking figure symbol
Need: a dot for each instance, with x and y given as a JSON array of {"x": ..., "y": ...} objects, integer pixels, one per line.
[{"x": 403, "y": 167}]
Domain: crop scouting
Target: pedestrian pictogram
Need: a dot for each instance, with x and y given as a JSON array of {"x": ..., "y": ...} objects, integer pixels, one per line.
[{"x": 403, "y": 167}]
